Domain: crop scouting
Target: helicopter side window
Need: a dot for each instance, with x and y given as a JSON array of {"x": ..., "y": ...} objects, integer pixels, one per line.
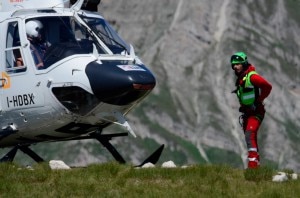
[
  {"x": 13, "y": 52},
  {"x": 67, "y": 38}
]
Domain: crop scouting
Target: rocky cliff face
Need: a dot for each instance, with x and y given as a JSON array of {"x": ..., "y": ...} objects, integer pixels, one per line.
[{"x": 188, "y": 45}]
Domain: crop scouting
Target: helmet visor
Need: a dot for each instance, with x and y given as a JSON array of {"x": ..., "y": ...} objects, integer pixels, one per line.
[{"x": 235, "y": 59}]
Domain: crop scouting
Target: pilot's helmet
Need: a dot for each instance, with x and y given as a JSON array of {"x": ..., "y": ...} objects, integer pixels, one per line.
[{"x": 33, "y": 28}]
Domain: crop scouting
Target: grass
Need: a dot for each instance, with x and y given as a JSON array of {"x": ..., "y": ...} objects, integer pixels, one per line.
[{"x": 115, "y": 180}]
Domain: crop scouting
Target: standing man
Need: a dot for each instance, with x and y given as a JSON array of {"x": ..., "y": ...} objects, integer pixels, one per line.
[{"x": 251, "y": 90}]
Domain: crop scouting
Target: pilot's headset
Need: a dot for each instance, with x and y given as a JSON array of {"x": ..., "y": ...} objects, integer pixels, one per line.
[{"x": 33, "y": 28}]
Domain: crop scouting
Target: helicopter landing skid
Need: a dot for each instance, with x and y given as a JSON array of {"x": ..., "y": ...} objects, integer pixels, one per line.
[{"x": 104, "y": 139}]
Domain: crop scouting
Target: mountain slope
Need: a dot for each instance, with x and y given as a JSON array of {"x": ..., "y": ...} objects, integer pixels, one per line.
[{"x": 188, "y": 44}]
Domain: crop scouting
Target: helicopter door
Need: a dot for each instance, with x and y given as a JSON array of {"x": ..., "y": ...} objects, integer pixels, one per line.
[{"x": 18, "y": 83}]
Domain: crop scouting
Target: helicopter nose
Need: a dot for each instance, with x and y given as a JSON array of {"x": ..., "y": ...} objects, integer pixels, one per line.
[{"x": 119, "y": 84}]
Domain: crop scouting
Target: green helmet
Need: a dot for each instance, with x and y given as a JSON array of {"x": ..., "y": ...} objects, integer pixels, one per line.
[{"x": 239, "y": 58}]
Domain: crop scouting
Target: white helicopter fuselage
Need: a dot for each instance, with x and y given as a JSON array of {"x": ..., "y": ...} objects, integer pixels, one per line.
[{"x": 90, "y": 77}]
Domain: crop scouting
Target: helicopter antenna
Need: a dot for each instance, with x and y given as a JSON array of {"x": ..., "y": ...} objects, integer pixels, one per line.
[{"x": 77, "y": 5}]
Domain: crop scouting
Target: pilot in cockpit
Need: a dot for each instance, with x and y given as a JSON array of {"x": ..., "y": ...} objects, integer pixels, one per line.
[{"x": 37, "y": 46}]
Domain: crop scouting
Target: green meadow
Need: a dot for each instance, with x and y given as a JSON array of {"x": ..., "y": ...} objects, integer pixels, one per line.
[{"x": 115, "y": 180}]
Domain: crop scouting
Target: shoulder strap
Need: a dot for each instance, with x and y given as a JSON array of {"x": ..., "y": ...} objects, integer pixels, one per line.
[
  {"x": 248, "y": 82},
  {"x": 36, "y": 53}
]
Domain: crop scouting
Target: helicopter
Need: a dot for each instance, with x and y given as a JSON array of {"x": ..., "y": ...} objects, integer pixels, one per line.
[{"x": 66, "y": 75}]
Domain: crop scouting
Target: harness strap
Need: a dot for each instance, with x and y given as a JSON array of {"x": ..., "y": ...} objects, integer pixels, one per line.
[{"x": 36, "y": 54}]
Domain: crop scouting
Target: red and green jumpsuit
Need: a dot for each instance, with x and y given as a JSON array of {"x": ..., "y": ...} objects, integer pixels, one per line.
[{"x": 252, "y": 89}]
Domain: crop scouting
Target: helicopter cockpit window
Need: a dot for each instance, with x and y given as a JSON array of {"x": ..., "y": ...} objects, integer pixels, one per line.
[
  {"x": 13, "y": 53},
  {"x": 60, "y": 37},
  {"x": 107, "y": 34}
]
